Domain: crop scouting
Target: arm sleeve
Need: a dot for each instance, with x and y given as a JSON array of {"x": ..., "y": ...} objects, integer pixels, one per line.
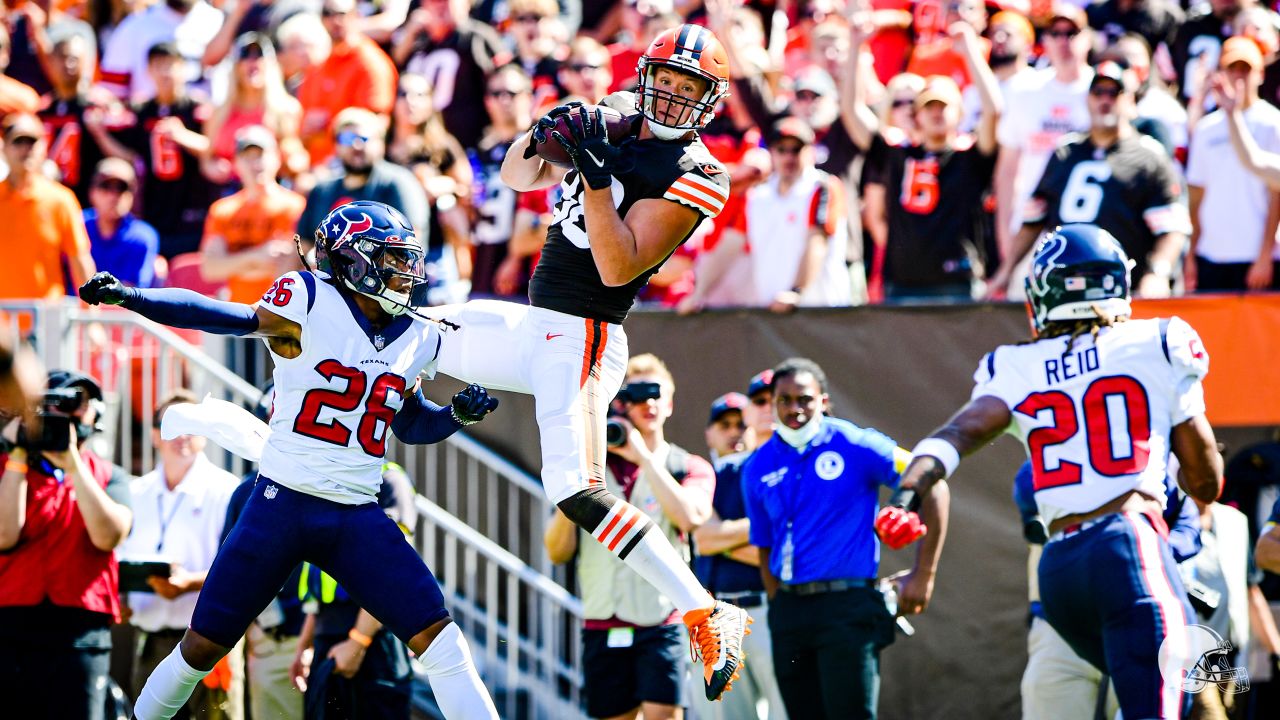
[
  {"x": 182, "y": 308},
  {"x": 422, "y": 422},
  {"x": 1189, "y": 362},
  {"x": 761, "y": 533},
  {"x": 1165, "y": 212},
  {"x": 1184, "y": 530}
]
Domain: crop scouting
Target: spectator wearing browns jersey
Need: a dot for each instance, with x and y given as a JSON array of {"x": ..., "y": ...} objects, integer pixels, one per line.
[
  {"x": 74, "y": 150},
  {"x": 441, "y": 42},
  {"x": 1116, "y": 178},
  {"x": 932, "y": 249}
]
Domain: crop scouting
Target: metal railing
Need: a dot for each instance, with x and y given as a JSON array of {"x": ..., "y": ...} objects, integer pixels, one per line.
[{"x": 481, "y": 522}]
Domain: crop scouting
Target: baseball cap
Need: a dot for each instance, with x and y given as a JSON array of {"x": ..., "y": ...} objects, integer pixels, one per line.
[
  {"x": 1070, "y": 11},
  {"x": 19, "y": 125},
  {"x": 793, "y": 128},
  {"x": 938, "y": 88},
  {"x": 760, "y": 382},
  {"x": 1241, "y": 49},
  {"x": 254, "y": 136},
  {"x": 1113, "y": 71},
  {"x": 117, "y": 169},
  {"x": 1016, "y": 22},
  {"x": 815, "y": 80},
  {"x": 59, "y": 379},
  {"x": 726, "y": 403}
]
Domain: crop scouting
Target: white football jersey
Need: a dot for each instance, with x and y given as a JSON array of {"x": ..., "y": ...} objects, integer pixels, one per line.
[
  {"x": 331, "y": 416},
  {"x": 1096, "y": 420}
]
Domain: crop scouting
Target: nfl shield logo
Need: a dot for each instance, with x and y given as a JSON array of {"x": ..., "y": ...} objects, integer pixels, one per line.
[
  {"x": 379, "y": 342},
  {"x": 270, "y": 492}
]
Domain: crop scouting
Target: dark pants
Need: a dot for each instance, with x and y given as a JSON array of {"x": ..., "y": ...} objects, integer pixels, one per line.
[
  {"x": 56, "y": 674},
  {"x": 1218, "y": 277},
  {"x": 650, "y": 669},
  {"x": 826, "y": 652},
  {"x": 380, "y": 690}
]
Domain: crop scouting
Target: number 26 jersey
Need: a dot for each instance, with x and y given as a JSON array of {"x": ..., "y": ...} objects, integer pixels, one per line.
[
  {"x": 334, "y": 402},
  {"x": 1096, "y": 419}
]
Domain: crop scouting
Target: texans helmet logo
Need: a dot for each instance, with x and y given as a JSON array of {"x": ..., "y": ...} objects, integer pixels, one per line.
[{"x": 354, "y": 227}]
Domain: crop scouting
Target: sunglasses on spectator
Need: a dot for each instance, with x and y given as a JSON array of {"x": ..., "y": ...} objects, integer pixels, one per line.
[
  {"x": 348, "y": 138},
  {"x": 24, "y": 141},
  {"x": 1105, "y": 91},
  {"x": 527, "y": 18},
  {"x": 583, "y": 67},
  {"x": 1062, "y": 33},
  {"x": 903, "y": 102},
  {"x": 112, "y": 185},
  {"x": 807, "y": 95}
]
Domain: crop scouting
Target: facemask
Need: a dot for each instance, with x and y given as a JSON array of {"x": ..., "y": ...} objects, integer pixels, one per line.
[{"x": 801, "y": 437}]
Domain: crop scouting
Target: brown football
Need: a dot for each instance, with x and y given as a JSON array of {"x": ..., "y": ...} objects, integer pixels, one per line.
[{"x": 619, "y": 128}]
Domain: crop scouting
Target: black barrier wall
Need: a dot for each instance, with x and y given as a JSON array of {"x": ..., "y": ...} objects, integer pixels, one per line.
[{"x": 901, "y": 371}]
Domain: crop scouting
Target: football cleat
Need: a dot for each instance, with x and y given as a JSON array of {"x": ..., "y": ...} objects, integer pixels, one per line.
[{"x": 715, "y": 636}]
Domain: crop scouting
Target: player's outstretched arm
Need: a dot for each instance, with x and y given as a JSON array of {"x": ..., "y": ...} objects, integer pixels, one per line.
[
  {"x": 1197, "y": 450},
  {"x": 933, "y": 460},
  {"x": 422, "y": 422},
  {"x": 182, "y": 308}
]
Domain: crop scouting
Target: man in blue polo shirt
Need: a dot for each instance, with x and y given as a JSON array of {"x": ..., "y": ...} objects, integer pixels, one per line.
[
  {"x": 811, "y": 494},
  {"x": 120, "y": 243}
]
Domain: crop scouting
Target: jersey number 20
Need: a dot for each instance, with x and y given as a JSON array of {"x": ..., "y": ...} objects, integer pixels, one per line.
[
  {"x": 1107, "y": 402},
  {"x": 375, "y": 407}
]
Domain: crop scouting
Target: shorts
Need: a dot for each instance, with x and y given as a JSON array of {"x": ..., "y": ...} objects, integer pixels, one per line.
[
  {"x": 651, "y": 669},
  {"x": 358, "y": 545},
  {"x": 572, "y": 366}
]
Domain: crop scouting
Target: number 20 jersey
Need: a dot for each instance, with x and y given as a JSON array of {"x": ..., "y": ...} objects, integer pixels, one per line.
[
  {"x": 333, "y": 406},
  {"x": 1096, "y": 419}
]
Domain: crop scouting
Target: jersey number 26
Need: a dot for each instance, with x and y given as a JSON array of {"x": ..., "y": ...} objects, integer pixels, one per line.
[
  {"x": 375, "y": 407},
  {"x": 1117, "y": 425}
]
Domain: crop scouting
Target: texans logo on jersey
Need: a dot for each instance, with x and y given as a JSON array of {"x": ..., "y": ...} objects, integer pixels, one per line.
[{"x": 354, "y": 227}]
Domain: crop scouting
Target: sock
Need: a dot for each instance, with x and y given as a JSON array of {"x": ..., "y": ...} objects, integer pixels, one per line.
[
  {"x": 454, "y": 679},
  {"x": 168, "y": 688},
  {"x": 626, "y": 532}
]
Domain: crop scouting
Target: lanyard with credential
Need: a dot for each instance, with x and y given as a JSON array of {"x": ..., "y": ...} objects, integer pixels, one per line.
[
  {"x": 787, "y": 499},
  {"x": 164, "y": 521}
]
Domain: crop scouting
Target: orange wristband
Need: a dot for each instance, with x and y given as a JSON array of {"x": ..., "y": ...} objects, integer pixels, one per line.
[
  {"x": 15, "y": 466},
  {"x": 360, "y": 638}
]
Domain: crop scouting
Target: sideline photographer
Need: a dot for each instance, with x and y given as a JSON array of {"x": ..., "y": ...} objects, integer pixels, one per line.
[
  {"x": 634, "y": 643},
  {"x": 61, "y": 515}
]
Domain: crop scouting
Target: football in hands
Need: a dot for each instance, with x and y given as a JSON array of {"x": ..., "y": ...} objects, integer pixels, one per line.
[{"x": 618, "y": 126}]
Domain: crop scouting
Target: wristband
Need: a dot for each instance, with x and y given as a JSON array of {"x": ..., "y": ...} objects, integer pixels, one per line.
[
  {"x": 360, "y": 638},
  {"x": 941, "y": 450},
  {"x": 15, "y": 466}
]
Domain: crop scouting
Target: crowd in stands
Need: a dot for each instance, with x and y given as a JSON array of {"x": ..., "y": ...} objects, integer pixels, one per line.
[{"x": 879, "y": 150}]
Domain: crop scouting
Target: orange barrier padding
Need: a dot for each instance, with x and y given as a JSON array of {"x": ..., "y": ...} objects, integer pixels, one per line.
[{"x": 1242, "y": 334}]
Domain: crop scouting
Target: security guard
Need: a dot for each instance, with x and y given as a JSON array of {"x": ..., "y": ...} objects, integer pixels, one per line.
[
  {"x": 358, "y": 672},
  {"x": 811, "y": 494}
]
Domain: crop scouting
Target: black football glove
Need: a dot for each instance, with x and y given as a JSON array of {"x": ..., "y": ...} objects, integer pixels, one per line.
[
  {"x": 545, "y": 123},
  {"x": 105, "y": 288},
  {"x": 471, "y": 405},
  {"x": 594, "y": 157}
]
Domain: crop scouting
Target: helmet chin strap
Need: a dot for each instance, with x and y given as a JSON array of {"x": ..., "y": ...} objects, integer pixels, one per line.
[{"x": 664, "y": 132}]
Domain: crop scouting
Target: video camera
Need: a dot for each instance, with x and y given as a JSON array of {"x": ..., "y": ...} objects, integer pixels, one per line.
[
  {"x": 616, "y": 428},
  {"x": 56, "y": 416}
]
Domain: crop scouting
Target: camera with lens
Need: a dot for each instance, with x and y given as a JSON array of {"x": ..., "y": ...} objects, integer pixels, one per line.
[
  {"x": 55, "y": 418},
  {"x": 616, "y": 428}
]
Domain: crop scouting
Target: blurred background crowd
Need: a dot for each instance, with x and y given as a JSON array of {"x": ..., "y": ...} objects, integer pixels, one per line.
[{"x": 880, "y": 150}]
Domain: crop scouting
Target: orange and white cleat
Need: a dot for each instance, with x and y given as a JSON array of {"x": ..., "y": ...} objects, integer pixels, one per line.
[{"x": 715, "y": 636}]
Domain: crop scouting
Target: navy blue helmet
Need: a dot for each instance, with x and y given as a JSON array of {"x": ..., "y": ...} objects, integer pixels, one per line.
[
  {"x": 1077, "y": 270},
  {"x": 372, "y": 249}
]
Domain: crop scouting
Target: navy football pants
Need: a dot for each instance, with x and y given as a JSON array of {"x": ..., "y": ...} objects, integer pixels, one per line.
[
  {"x": 1112, "y": 591},
  {"x": 362, "y": 548}
]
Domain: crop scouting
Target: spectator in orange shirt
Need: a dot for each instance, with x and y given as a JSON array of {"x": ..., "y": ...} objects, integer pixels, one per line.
[
  {"x": 247, "y": 236},
  {"x": 14, "y": 95},
  {"x": 357, "y": 73},
  {"x": 43, "y": 222}
]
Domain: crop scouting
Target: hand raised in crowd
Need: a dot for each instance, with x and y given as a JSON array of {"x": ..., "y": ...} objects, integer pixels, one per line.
[
  {"x": 1226, "y": 93},
  {"x": 964, "y": 35}
]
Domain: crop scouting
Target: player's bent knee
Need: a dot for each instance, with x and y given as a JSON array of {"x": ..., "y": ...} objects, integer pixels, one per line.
[
  {"x": 588, "y": 508},
  {"x": 200, "y": 652}
]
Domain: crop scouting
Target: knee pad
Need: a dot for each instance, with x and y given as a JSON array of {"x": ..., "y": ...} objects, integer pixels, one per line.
[{"x": 588, "y": 508}]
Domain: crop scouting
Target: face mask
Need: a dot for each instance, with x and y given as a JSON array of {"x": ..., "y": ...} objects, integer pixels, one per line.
[{"x": 801, "y": 437}]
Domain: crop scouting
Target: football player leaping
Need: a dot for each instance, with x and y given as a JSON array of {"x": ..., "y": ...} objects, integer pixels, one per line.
[
  {"x": 623, "y": 210},
  {"x": 347, "y": 361},
  {"x": 1099, "y": 401}
]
